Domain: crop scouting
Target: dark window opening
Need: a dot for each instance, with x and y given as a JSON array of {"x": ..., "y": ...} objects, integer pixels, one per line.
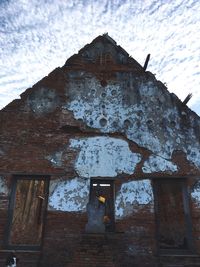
[
  {"x": 172, "y": 210},
  {"x": 27, "y": 210},
  {"x": 103, "y": 191}
]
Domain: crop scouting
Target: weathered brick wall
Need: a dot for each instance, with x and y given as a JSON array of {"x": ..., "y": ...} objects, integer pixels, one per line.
[
  {"x": 134, "y": 238},
  {"x": 195, "y": 211},
  {"x": 4, "y": 202},
  {"x": 62, "y": 232},
  {"x": 100, "y": 117}
]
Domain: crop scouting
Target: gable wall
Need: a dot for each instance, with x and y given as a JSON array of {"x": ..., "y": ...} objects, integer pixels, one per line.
[{"x": 90, "y": 119}]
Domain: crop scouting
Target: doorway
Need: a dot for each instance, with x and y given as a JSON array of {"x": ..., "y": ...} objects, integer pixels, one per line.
[
  {"x": 103, "y": 190},
  {"x": 174, "y": 228}
]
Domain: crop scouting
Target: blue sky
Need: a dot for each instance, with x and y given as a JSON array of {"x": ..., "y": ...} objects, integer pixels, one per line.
[{"x": 37, "y": 36}]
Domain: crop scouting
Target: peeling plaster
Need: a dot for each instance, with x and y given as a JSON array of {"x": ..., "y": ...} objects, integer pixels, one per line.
[
  {"x": 43, "y": 100},
  {"x": 141, "y": 108},
  {"x": 3, "y": 186},
  {"x": 158, "y": 164},
  {"x": 195, "y": 194},
  {"x": 131, "y": 195},
  {"x": 193, "y": 155},
  {"x": 71, "y": 195},
  {"x": 136, "y": 250},
  {"x": 104, "y": 157},
  {"x": 56, "y": 158}
]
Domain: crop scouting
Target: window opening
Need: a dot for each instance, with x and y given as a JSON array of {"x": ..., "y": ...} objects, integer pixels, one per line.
[
  {"x": 102, "y": 204},
  {"x": 172, "y": 208},
  {"x": 27, "y": 210}
]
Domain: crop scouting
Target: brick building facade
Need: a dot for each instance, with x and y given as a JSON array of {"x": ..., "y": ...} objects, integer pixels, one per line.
[{"x": 100, "y": 166}]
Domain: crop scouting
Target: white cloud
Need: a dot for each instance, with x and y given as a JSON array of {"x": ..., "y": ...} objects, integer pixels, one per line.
[{"x": 37, "y": 36}]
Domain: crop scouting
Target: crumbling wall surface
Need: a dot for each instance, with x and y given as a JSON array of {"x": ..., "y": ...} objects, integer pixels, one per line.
[
  {"x": 71, "y": 195},
  {"x": 104, "y": 157},
  {"x": 99, "y": 116},
  {"x": 101, "y": 91},
  {"x": 4, "y": 199},
  {"x": 132, "y": 197},
  {"x": 131, "y": 105},
  {"x": 195, "y": 211},
  {"x": 76, "y": 249},
  {"x": 44, "y": 100},
  {"x": 3, "y": 186}
]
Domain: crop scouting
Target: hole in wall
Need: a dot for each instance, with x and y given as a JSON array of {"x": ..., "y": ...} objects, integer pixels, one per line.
[
  {"x": 114, "y": 124},
  {"x": 113, "y": 92},
  {"x": 149, "y": 122},
  {"x": 140, "y": 113},
  {"x": 138, "y": 123},
  {"x": 103, "y": 83},
  {"x": 103, "y": 122},
  {"x": 173, "y": 123},
  {"x": 127, "y": 123}
]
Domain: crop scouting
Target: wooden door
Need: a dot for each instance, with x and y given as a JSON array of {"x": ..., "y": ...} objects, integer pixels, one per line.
[{"x": 27, "y": 210}]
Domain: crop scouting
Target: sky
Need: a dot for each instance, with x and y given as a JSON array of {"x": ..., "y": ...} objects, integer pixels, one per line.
[{"x": 36, "y": 36}]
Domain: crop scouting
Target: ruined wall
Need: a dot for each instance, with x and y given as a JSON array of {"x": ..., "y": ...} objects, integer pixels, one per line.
[
  {"x": 4, "y": 199},
  {"x": 195, "y": 213},
  {"x": 100, "y": 115},
  {"x": 93, "y": 101}
]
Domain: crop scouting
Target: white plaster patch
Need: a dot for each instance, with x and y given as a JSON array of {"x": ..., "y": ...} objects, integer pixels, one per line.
[
  {"x": 158, "y": 164},
  {"x": 137, "y": 250},
  {"x": 195, "y": 194},
  {"x": 193, "y": 155},
  {"x": 132, "y": 194},
  {"x": 142, "y": 110},
  {"x": 56, "y": 158},
  {"x": 104, "y": 157},
  {"x": 71, "y": 195},
  {"x": 3, "y": 186},
  {"x": 110, "y": 110}
]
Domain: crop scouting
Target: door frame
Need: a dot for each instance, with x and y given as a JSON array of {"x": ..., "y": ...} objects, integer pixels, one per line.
[
  {"x": 11, "y": 206},
  {"x": 187, "y": 215},
  {"x": 112, "y": 195}
]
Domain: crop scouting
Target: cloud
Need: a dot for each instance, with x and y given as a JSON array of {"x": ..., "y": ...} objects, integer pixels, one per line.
[{"x": 37, "y": 36}]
